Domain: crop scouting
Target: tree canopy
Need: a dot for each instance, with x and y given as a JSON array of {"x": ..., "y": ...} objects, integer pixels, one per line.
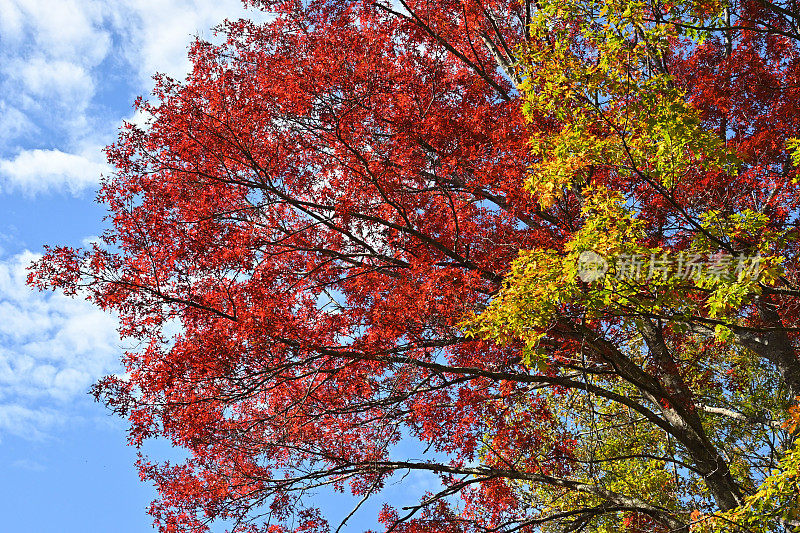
[{"x": 553, "y": 242}]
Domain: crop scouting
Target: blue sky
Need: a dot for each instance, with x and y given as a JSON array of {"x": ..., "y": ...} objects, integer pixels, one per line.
[{"x": 69, "y": 72}]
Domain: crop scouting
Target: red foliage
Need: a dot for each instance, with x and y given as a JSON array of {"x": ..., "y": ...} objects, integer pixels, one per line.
[{"x": 314, "y": 210}]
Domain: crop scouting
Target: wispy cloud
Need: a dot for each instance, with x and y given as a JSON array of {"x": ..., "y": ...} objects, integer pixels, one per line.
[
  {"x": 57, "y": 64},
  {"x": 57, "y": 84},
  {"x": 51, "y": 349},
  {"x": 36, "y": 171},
  {"x": 32, "y": 423},
  {"x": 28, "y": 464},
  {"x": 14, "y": 124},
  {"x": 68, "y": 29},
  {"x": 158, "y": 32}
]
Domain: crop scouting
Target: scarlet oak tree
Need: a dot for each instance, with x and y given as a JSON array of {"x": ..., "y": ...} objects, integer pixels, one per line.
[{"x": 325, "y": 211}]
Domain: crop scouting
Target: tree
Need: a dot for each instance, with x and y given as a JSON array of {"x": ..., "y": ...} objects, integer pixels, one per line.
[
  {"x": 326, "y": 209},
  {"x": 651, "y": 176}
]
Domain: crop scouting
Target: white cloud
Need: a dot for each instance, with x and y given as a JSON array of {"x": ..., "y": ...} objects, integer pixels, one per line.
[
  {"x": 48, "y": 73},
  {"x": 36, "y": 171},
  {"x": 26, "y": 422},
  {"x": 159, "y": 33},
  {"x": 13, "y": 123},
  {"x": 28, "y": 464},
  {"x": 51, "y": 89},
  {"x": 51, "y": 349},
  {"x": 91, "y": 240},
  {"x": 59, "y": 63},
  {"x": 67, "y": 29},
  {"x": 64, "y": 80},
  {"x": 11, "y": 23}
]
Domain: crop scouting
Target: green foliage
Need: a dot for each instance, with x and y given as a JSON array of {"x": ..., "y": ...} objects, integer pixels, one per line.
[
  {"x": 793, "y": 145},
  {"x": 542, "y": 283},
  {"x": 616, "y": 112},
  {"x": 773, "y": 506},
  {"x": 616, "y": 122}
]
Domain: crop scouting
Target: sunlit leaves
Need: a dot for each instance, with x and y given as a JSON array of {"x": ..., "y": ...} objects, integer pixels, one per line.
[
  {"x": 609, "y": 121},
  {"x": 311, "y": 236}
]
